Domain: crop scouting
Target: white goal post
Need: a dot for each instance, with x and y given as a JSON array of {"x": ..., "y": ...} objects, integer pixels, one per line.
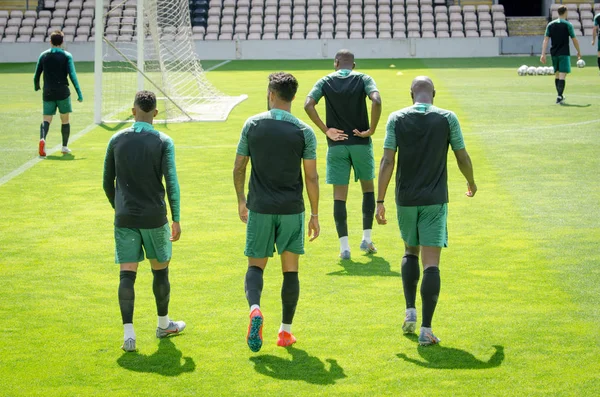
[{"x": 165, "y": 62}]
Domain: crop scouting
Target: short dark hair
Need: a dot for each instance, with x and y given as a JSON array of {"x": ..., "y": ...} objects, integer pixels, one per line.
[
  {"x": 145, "y": 100},
  {"x": 56, "y": 37},
  {"x": 284, "y": 85},
  {"x": 344, "y": 56},
  {"x": 562, "y": 10}
]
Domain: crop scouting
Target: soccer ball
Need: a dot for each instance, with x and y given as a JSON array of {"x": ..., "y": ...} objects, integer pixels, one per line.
[
  {"x": 531, "y": 70},
  {"x": 522, "y": 71},
  {"x": 551, "y": 69},
  {"x": 580, "y": 63},
  {"x": 540, "y": 71}
]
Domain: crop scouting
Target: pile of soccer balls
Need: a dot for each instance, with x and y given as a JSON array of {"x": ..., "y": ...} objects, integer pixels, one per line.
[{"x": 535, "y": 71}]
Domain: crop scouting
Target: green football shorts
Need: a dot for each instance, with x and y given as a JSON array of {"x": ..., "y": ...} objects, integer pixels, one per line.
[
  {"x": 424, "y": 225},
  {"x": 63, "y": 106},
  {"x": 341, "y": 158},
  {"x": 130, "y": 244},
  {"x": 265, "y": 231},
  {"x": 562, "y": 63}
]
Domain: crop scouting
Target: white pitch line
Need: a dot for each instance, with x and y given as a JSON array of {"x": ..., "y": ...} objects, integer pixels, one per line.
[
  {"x": 217, "y": 66},
  {"x": 521, "y": 129},
  {"x": 34, "y": 161}
]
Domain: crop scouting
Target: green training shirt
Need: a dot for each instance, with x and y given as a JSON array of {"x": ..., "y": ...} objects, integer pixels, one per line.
[
  {"x": 56, "y": 64},
  {"x": 421, "y": 134},
  {"x": 276, "y": 143},
  {"x": 559, "y": 32},
  {"x": 138, "y": 158},
  {"x": 345, "y": 107}
]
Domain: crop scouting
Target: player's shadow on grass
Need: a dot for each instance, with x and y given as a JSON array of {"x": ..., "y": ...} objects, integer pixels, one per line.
[
  {"x": 376, "y": 267},
  {"x": 574, "y": 105},
  {"x": 440, "y": 357},
  {"x": 64, "y": 157},
  {"x": 302, "y": 366},
  {"x": 166, "y": 361}
]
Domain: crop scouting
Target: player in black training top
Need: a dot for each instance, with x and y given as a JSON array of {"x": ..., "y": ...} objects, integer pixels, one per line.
[
  {"x": 56, "y": 64},
  {"x": 349, "y": 143},
  {"x": 560, "y": 30}
]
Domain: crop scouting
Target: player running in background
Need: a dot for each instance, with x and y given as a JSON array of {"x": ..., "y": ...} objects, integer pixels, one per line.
[
  {"x": 595, "y": 34},
  {"x": 56, "y": 64},
  {"x": 278, "y": 145},
  {"x": 559, "y": 32},
  {"x": 349, "y": 141},
  {"x": 421, "y": 135},
  {"x": 138, "y": 158}
]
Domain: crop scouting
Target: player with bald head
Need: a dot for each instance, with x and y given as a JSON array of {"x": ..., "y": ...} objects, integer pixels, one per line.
[
  {"x": 348, "y": 133},
  {"x": 421, "y": 135}
]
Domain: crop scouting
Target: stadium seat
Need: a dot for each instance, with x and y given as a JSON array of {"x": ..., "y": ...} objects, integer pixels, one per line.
[
  {"x": 470, "y": 17},
  {"x": 399, "y": 34},
  {"x": 455, "y": 17},
  {"x": 484, "y": 16},
  {"x": 427, "y": 27},
  {"x": 427, "y": 18},
  {"x": 585, "y": 7},
  {"x": 426, "y": 10},
  {"x": 470, "y": 25},
  {"x": 472, "y": 33},
  {"x": 499, "y": 25},
  {"x": 45, "y": 14},
  {"x": 442, "y": 27},
  {"x": 14, "y": 22},
  {"x": 428, "y": 34},
  {"x": 414, "y": 34},
  {"x": 71, "y": 22},
  {"x": 498, "y": 8},
  {"x": 498, "y": 16},
  {"x": 9, "y": 39},
  {"x": 454, "y": 10},
  {"x": 458, "y": 33},
  {"x": 26, "y": 31},
  {"x": 87, "y": 21},
  {"x": 385, "y": 35},
  {"x": 441, "y": 17},
  {"x": 443, "y": 34},
  {"x": 80, "y": 39},
  {"x": 28, "y": 22},
  {"x": 38, "y": 39},
  {"x": 486, "y": 33},
  {"x": 500, "y": 33},
  {"x": 385, "y": 27},
  {"x": 40, "y": 30},
  {"x": 485, "y": 25}
]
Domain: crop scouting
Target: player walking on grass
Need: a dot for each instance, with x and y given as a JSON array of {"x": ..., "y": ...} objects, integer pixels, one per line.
[
  {"x": 559, "y": 32},
  {"x": 138, "y": 158},
  {"x": 349, "y": 141},
  {"x": 421, "y": 135},
  {"x": 595, "y": 34},
  {"x": 277, "y": 144},
  {"x": 56, "y": 64}
]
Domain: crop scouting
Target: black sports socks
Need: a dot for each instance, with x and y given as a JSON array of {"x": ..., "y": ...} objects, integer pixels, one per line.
[
  {"x": 290, "y": 291},
  {"x": 65, "y": 130},
  {"x": 561, "y": 87},
  {"x": 340, "y": 216},
  {"x": 368, "y": 210},
  {"x": 410, "y": 279},
  {"x": 253, "y": 285},
  {"x": 44, "y": 127},
  {"x": 162, "y": 290},
  {"x": 430, "y": 291},
  {"x": 127, "y": 295},
  {"x": 556, "y": 85},
  {"x": 599, "y": 62}
]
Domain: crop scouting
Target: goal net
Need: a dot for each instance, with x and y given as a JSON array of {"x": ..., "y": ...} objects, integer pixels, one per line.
[{"x": 164, "y": 62}]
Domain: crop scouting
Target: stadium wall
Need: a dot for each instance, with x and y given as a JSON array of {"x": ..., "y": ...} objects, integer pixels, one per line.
[{"x": 323, "y": 49}]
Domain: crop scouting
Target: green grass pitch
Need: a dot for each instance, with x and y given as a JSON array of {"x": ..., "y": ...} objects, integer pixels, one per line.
[{"x": 518, "y": 312}]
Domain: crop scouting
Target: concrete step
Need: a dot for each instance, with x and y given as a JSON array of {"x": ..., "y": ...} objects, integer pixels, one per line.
[{"x": 526, "y": 26}]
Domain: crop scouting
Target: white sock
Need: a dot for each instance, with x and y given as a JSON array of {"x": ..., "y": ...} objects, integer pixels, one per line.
[
  {"x": 254, "y": 307},
  {"x": 129, "y": 332},
  {"x": 286, "y": 327},
  {"x": 163, "y": 321},
  {"x": 425, "y": 329},
  {"x": 344, "y": 246},
  {"x": 367, "y": 235},
  {"x": 411, "y": 310}
]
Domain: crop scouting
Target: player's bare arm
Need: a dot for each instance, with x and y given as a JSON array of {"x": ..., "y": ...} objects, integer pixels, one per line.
[
  {"x": 375, "y": 115},
  {"x": 239, "y": 180},
  {"x": 386, "y": 170},
  {"x": 466, "y": 168},
  {"x": 544, "y": 47},
  {"x": 332, "y": 133},
  {"x": 576, "y": 44},
  {"x": 311, "y": 180}
]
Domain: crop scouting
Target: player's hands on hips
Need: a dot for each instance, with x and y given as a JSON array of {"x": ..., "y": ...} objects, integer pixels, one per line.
[
  {"x": 243, "y": 211},
  {"x": 175, "y": 231},
  {"x": 543, "y": 59},
  {"x": 313, "y": 228},
  {"x": 380, "y": 214},
  {"x": 336, "y": 135},
  {"x": 471, "y": 189},
  {"x": 363, "y": 134}
]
